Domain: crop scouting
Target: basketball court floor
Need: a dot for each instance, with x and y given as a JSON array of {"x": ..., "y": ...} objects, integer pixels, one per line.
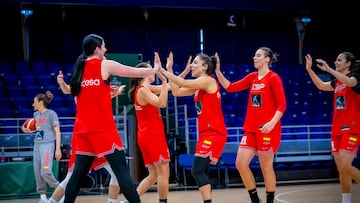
[{"x": 299, "y": 193}]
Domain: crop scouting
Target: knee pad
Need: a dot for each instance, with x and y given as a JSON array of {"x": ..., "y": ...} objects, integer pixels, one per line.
[
  {"x": 64, "y": 183},
  {"x": 199, "y": 171},
  {"x": 113, "y": 179}
]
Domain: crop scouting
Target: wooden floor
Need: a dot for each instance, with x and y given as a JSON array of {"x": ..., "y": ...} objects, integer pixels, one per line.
[{"x": 303, "y": 193}]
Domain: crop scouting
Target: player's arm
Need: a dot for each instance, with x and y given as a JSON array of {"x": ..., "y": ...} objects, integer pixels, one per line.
[
  {"x": 65, "y": 88},
  {"x": 58, "y": 153}
]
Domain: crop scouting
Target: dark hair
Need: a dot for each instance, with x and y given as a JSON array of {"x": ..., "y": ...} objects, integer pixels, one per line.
[
  {"x": 136, "y": 81},
  {"x": 210, "y": 61},
  {"x": 269, "y": 53},
  {"x": 90, "y": 43},
  {"x": 355, "y": 64},
  {"x": 45, "y": 97}
]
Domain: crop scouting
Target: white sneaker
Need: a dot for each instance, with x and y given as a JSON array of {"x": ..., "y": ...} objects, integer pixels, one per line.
[
  {"x": 42, "y": 201},
  {"x": 124, "y": 201}
]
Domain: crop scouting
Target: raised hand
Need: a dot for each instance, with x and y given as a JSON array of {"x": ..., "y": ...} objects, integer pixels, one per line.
[
  {"x": 217, "y": 68},
  {"x": 161, "y": 77},
  {"x": 308, "y": 62},
  {"x": 116, "y": 90},
  {"x": 60, "y": 78},
  {"x": 170, "y": 62},
  {"x": 157, "y": 62},
  {"x": 322, "y": 65},
  {"x": 187, "y": 68}
]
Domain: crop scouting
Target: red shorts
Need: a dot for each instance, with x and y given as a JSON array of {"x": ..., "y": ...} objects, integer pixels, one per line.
[
  {"x": 72, "y": 153},
  {"x": 345, "y": 141},
  {"x": 210, "y": 144},
  {"x": 154, "y": 152},
  {"x": 262, "y": 142},
  {"x": 98, "y": 143},
  {"x": 97, "y": 164}
]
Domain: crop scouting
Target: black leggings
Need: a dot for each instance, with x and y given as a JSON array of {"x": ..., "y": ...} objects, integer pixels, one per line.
[
  {"x": 200, "y": 169},
  {"x": 81, "y": 169},
  {"x": 117, "y": 161}
]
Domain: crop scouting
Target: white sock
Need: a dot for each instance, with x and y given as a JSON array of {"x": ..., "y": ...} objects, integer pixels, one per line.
[
  {"x": 113, "y": 200},
  {"x": 346, "y": 197},
  {"x": 43, "y": 197},
  {"x": 51, "y": 200}
]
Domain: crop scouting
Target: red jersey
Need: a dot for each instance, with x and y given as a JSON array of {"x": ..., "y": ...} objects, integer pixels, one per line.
[
  {"x": 266, "y": 96},
  {"x": 150, "y": 123},
  {"x": 209, "y": 111},
  {"x": 94, "y": 104},
  {"x": 346, "y": 115}
]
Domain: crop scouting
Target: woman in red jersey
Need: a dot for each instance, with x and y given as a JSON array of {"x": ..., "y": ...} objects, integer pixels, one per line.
[
  {"x": 211, "y": 124},
  {"x": 95, "y": 128},
  {"x": 345, "y": 132},
  {"x": 266, "y": 105},
  {"x": 114, "y": 189},
  {"x": 151, "y": 133}
]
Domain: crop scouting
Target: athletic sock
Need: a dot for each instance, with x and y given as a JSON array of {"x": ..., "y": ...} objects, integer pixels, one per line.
[
  {"x": 113, "y": 200},
  {"x": 43, "y": 197},
  {"x": 162, "y": 200},
  {"x": 254, "y": 196},
  {"x": 207, "y": 201},
  {"x": 346, "y": 197},
  {"x": 51, "y": 200},
  {"x": 270, "y": 197}
]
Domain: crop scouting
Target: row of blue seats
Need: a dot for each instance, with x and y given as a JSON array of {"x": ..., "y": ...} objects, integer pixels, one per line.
[
  {"x": 28, "y": 112},
  {"x": 10, "y": 80},
  {"x": 35, "y": 67}
]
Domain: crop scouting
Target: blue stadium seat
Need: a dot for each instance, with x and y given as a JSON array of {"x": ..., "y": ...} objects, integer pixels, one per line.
[
  {"x": 228, "y": 109},
  {"x": 70, "y": 103},
  {"x": 237, "y": 121},
  {"x": 57, "y": 102},
  {"x": 244, "y": 69},
  {"x": 177, "y": 69},
  {"x": 281, "y": 167},
  {"x": 21, "y": 102},
  {"x": 315, "y": 165},
  {"x": 39, "y": 68},
  {"x": 54, "y": 67},
  {"x": 68, "y": 67},
  {"x": 55, "y": 89},
  {"x": 228, "y": 121},
  {"x": 63, "y": 112},
  {"x": 229, "y": 159},
  {"x": 7, "y": 113},
  {"x": 5, "y": 103},
  {"x": 26, "y": 140},
  {"x": 22, "y": 67},
  {"x": 2, "y": 91},
  {"x": 6, "y": 67},
  {"x": 10, "y": 79},
  {"x": 24, "y": 113},
  {"x": 9, "y": 140},
  {"x": 15, "y": 91},
  {"x": 45, "y": 80},
  {"x": 27, "y": 80},
  {"x": 185, "y": 163},
  {"x": 298, "y": 166},
  {"x": 32, "y": 90}
]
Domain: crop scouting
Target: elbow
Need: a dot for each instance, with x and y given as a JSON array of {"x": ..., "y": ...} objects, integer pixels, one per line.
[{"x": 162, "y": 105}]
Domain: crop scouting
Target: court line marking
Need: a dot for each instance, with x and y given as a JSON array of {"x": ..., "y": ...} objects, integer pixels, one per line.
[{"x": 277, "y": 197}]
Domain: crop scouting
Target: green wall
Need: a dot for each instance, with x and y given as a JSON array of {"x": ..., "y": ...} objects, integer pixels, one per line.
[{"x": 127, "y": 59}]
